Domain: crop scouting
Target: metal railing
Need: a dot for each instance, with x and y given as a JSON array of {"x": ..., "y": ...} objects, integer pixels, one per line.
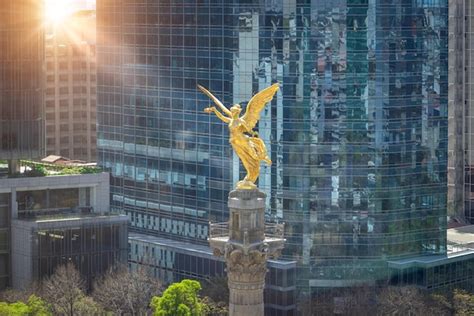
[
  {"x": 218, "y": 230},
  {"x": 272, "y": 230},
  {"x": 54, "y": 212}
]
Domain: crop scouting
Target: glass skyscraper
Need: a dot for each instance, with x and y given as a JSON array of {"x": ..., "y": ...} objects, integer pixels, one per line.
[
  {"x": 357, "y": 134},
  {"x": 21, "y": 94},
  {"x": 461, "y": 109}
]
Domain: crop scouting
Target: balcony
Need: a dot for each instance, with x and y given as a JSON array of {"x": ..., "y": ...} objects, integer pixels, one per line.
[
  {"x": 273, "y": 239},
  {"x": 219, "y": 230}
]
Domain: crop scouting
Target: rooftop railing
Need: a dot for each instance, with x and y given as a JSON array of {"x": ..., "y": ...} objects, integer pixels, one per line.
[
  {"x": 55, "y": 213},
  {"x": 454, "y": 247},
  {"x": 272, "y": 230},
  {"x": 217, "y": 230}
]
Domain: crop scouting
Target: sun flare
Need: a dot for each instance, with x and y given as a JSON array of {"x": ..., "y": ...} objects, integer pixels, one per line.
[{"x": 58, "y": 10}]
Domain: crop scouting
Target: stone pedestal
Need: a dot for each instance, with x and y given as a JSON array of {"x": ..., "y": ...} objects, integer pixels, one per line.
[{"x": 246, "y": 242}]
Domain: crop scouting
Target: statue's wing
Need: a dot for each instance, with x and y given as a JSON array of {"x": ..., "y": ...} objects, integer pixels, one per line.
[
  {"x": 257, "y": 103},
  {"x": 216, "y": 100}
]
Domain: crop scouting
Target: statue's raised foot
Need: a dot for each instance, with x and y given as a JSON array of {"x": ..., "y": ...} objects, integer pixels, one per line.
[{"x": 246, "y": 185}]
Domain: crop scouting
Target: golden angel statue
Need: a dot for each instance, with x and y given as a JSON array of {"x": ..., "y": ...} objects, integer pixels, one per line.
[{"x": 245, "y": 142}]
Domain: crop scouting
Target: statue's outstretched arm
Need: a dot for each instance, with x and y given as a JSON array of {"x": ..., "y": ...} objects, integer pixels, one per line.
[
  {"x": 221, "y": 116},
  {"x": 215, "y": 100}
]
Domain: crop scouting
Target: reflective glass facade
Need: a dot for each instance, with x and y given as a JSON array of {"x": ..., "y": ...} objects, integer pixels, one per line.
[
  {"x": 4, "y": 240},
  {"x": 357, "y": 134},
  {"x": 461, "y": 109},
  {"x": 443, "y": 275},
  {"x": 92, "y": 247},
  {"x": 468, "y": 37},
  {"x": 21, "y": 95}
]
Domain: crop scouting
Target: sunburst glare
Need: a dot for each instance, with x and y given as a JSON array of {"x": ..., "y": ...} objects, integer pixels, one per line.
[{"x": 57, "y": 11}]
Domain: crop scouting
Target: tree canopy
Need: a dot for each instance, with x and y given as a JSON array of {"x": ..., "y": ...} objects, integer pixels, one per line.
[
  {"x": 64, "y": 289},
  {"x": 179, "y": 299},
  {"x": 35, "y": 306},
  {"x": 121, "y": 291}
]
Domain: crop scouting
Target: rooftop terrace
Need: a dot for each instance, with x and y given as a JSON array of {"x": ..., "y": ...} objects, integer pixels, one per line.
[{"x": 29, "y": 168}]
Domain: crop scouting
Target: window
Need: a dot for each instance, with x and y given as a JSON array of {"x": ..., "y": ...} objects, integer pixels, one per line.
[
  {"x": 62, "y": 50},
  {"x": 80, "y": 126},
  {"x": 80, "y": 139},
  {"x": 63, "y": 103},
  {"x": 80, "y": 89},
  {"x": 79, "y": 77},
  {"x": 50, "y": 91},
  {"x": 49, "y": 51},
  {"x": 79, "y": 102},
  {"x": 79, "y": 114}
]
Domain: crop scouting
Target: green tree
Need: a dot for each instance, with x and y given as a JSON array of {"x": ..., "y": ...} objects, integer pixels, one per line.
[
  {"x": 13, "y": 309},
  {"x": 35, "y": 306},
  {"x": 38, "y": 307},
  {"x": 179, "y": 299},
  {"x": 87, "y": 306}
]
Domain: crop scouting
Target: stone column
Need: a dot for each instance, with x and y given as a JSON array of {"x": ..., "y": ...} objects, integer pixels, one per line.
[
  {"x": 13, "y": 204},
  {"x": 245, "y": 247},
  {"x": 246, "y": 265},
  {"x": 13, "y": 166}
]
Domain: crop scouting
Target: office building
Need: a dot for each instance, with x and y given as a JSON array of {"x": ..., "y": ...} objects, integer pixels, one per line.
[
  {"x": 461, "y": 107},
  {"x": 21, "y": 77},
  {"x": 53, "y": 220},
  {"x": 70, "y": 82},
  {"x": 357, "y": 134},
  {"x": 443, "y": 273}
]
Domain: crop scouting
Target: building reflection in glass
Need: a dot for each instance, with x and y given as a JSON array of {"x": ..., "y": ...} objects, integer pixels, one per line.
[{"x": 357, "y": 134}]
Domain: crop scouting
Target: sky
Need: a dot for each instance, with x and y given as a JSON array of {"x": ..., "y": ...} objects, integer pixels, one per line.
[
  {"x": 72, "y": 4},
  {"x": 58, "y": 10}
]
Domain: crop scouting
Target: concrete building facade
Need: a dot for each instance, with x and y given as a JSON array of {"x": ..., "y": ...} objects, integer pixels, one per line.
[
  {"x": 70, "y": 83},
  {"x": 52, "y": 220}
]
